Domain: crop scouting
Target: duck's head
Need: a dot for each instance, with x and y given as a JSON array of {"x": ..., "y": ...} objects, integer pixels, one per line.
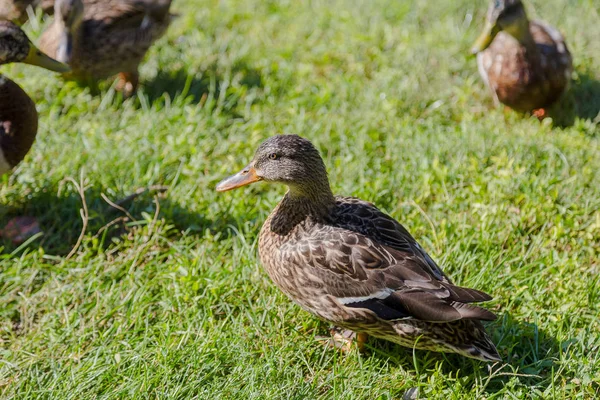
[
  {"x": 287, "y": 159},
  {"x": 16, "y": 47},
  {"x": 503, "y": 15},
  {"x": 68, "y": 15}
]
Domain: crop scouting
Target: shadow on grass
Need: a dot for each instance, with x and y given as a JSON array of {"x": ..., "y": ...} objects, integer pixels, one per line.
[
  {"x": 60, "y": 221},
  {"x": 210, "y": 88},
  {"x": 205, "y": 86},
  {"x": 529, "y": 356},
  {"x": 529, "y": 353},
  {"x": 582, "y": 101}
]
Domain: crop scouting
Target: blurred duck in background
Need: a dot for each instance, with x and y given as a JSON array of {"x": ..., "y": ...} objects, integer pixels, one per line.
[
  {"x": 18, "y": 116},
  {"x": 102, "y": 38},
  {"x": 526, "y": 64}
]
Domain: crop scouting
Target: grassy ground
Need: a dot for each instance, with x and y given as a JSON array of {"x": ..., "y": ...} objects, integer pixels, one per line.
[{"x": 172, "y": 301}]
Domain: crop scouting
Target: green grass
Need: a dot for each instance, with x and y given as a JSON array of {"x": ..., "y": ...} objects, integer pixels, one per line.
[{"x": 174, "y": 303}]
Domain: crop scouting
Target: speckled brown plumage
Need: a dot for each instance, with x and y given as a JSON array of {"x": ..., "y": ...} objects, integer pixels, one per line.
[
  {"x": 525, "y": 69},
  {"x": 350, "y": 264},
  {"x": 109, "y": 37}
]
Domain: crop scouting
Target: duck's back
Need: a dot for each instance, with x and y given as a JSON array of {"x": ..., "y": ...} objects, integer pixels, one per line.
[
  {"x": 526, "y": 80},
  {"x": 365, "y": 218},
  {"x": 348, "y": 216},
  {"x": 18, "y": 124}
]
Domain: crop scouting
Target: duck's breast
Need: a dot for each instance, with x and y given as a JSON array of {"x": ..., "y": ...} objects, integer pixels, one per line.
[{"x": 18, "y": 124}]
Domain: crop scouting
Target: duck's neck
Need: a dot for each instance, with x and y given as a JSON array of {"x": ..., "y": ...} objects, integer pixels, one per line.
[
  {"x": 528, "y": 42},
  {"x": 297, "y": 207},
  {"x": 310, "y": 204},
  {"x": 521, "y": 32},
  {"x": 69, "y": 34}
]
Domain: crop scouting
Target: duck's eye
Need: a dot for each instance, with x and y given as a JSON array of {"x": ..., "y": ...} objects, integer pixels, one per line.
[{"x": 273, "y": 156}]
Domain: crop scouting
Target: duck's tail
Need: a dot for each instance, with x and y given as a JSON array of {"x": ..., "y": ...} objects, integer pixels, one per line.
[{"x": 478, "y": 345}]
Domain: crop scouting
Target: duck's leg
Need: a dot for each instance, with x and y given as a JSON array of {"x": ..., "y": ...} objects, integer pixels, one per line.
[
  {"x": 343, "y": 338},
  {"x": 361, "y": 340},
  {"x": 540, "y": 113},
  {"x": 127, "y": 82}
]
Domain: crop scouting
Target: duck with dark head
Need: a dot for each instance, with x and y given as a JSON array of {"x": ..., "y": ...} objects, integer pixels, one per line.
[
  {"x": 18, "y": 116},
  {"x": 350, "y": 264},
  {"x": 526, "y": 64}
]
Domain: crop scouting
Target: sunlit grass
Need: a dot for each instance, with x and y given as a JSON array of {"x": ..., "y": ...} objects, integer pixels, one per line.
[{"x": 172, "y": 301}]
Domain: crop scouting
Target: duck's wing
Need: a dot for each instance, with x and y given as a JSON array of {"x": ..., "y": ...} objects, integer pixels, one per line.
[
  {"x": 363, "y": 217},
  {"x": 359, "y": 271},
  {"x": 555, "y": 56}
]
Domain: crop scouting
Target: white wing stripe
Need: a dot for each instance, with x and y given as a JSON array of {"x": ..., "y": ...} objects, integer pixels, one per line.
[{"x": 382, "y": 294}]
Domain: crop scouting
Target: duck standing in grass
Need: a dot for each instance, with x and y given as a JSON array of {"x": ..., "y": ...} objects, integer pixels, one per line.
[
  {"x": 526, "y": 64},
  {"x": 102, "y": 38},
  {"x": 18, "y": 116},
  {"x": 350, "y": 264}
]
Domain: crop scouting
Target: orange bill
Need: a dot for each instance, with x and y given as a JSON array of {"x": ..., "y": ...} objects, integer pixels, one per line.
[{"x": 245, "y": 177}]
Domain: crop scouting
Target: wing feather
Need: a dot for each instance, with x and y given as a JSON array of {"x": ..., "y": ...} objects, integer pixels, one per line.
[{"x": 387, "y": 273}]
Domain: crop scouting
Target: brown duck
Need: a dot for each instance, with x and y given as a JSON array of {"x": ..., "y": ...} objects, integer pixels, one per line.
[
  {"x": 102, "y": 38},
  {"x": 348, "y": 263},
  {"x": 18, "y": 116},
  {"x": 526, "y": 64}
]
